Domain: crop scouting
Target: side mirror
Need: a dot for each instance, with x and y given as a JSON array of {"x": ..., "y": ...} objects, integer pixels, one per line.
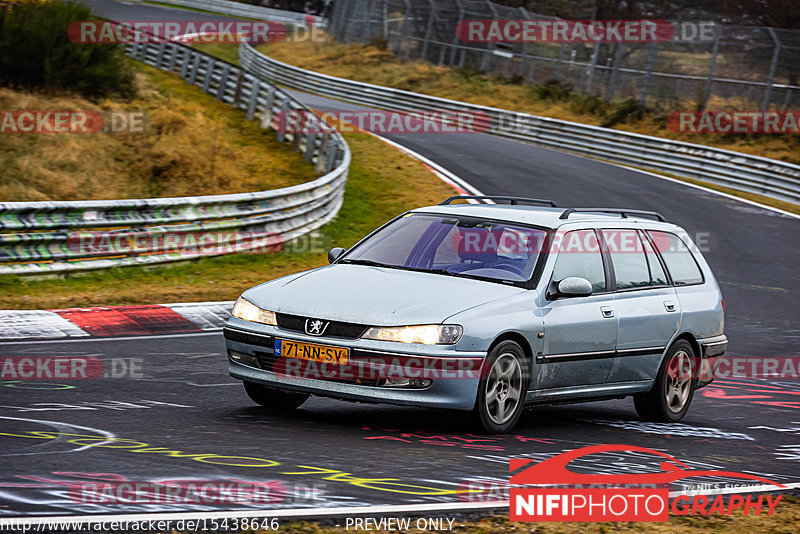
[
  {"x": 335, "y": 253},
  {"x": 574, "y": 286}
]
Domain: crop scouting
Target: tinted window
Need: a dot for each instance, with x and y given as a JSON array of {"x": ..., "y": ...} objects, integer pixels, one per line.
[
  {"x": 628, "y": 258},
  {"x": 679, "y": 260},
  {"x": 579, "y": 255}
]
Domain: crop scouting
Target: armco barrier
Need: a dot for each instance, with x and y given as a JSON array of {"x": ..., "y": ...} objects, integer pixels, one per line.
[
  {"x": 239, "y": 9},
  {"x": 752, "y": 174},
  {"x": 43, "y": 237}
]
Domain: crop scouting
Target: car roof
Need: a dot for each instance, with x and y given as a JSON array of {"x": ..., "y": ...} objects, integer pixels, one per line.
[{"x": 535, "y": 215}]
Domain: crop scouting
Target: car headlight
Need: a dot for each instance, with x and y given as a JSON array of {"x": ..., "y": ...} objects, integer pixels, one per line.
[
  {"x": 432, "y": 334},
  {"x": 244, "y": 309}
]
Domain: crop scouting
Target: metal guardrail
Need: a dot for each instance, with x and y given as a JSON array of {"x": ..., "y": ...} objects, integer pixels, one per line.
[
  {"x": 249, "y": 11},
  {"x": 44, "y": 237},
  {"x": 752, "y": 174}
]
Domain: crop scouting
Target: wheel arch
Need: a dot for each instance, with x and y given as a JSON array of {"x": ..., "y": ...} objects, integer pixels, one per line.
[{"x": 524, "y": 344}]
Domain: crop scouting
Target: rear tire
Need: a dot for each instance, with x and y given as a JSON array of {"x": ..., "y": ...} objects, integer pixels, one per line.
[
  {"x": 274, "y": 399},
  {"x": 674, "y": 387},
  {"x": 502, "y": 388}
]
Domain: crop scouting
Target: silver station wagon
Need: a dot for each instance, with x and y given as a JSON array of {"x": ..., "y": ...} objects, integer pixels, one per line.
[{"x": 488, "y": 307}]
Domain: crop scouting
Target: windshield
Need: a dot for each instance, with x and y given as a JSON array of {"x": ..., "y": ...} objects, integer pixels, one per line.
[{"x": 454, "y": 246}]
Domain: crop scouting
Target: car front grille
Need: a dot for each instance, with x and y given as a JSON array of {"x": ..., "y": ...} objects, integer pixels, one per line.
[{"x": 297, "y": 323}]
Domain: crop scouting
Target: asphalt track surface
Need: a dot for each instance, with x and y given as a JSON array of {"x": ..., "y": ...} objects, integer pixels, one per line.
[{"x": 187, "y": 419}]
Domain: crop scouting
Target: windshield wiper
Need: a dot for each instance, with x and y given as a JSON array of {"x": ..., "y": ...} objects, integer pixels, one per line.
[{"x": 370, "y": 263}]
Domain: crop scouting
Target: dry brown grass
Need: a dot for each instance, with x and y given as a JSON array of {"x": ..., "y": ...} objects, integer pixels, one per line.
[{"x": 194, "y": 146}]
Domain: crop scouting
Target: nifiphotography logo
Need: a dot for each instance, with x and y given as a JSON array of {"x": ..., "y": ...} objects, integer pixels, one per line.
[{"x": 549, "y": 491}]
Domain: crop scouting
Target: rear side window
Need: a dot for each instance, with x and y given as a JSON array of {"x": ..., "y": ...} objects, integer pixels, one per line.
[
  {"x": 679, "y": 260},
  {"x": 627, "y": 256}
]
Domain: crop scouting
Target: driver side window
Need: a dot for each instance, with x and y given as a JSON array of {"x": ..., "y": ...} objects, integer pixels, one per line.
[{"x": 579, "y": 255}]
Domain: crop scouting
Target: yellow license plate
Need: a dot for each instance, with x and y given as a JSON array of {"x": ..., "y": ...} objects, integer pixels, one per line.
[{"x": 309, "y": 351}]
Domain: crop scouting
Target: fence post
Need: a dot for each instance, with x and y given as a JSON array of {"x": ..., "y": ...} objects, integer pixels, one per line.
[
  {"x": 160, "y": 56},
  {"x": 651, "y": 57},
  {"x": 559, "y": 59},
  {"x": 428, "y": 30},
  {"x": 310, "y": 138},
  {"x": 365, "y": 34},
  {"x": 485, "y": 62},
  {"x": 773, "y": 66},
  {"x": 612, "y": 79},
  {"x": 711, "y": 65},
  {"x": 524, "y": 52},
  {"x": 404, "y": 29},
  {"x": 593, "y": 67}
]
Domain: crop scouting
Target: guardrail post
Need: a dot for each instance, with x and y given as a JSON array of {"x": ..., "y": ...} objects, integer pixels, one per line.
[
  {"x": 223, "y": 82},
  {"x": 195, "y": 68},
  {"x": 280, "y": 133},
  {"x": 185, "y": 63},
  {"x": 711, "y": 66},
  {"x": 651, "y": 57},
  {"x": 311, "y": 137},
  {"x": 253, "y": 100},
  {"x": 210, "y": 65},
  {"x": 173, "y": 56},
  {"x": 330, "y": 157},
  {"x": 160, "y": 56},
  {"x": 324, "y": 148},
  {"x": 773, "y": 66},
  {"x": 237, "y": 89}
]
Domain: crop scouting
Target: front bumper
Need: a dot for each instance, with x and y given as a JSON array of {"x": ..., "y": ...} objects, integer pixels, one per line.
[
  {"x": 711, "y": 351},
  {"x": 452, "y": 387}
]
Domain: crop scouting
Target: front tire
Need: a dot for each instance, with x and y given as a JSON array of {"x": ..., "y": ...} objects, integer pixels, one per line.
[
  {"x": 274, "y": 399},
  {"x": 502, "y": 388},
  {"x": 674, "y": 387}
]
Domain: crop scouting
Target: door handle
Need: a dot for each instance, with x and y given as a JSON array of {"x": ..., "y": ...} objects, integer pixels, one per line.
[
  {"x": 669, "y": 306},
  {"x": 607, "y": 311}
]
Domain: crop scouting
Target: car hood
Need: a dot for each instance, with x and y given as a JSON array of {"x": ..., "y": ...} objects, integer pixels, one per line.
[{"x": 375, "y": 295}]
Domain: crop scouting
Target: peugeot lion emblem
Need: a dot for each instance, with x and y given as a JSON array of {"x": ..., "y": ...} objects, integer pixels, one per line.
[{"x": 315, "y": 327}]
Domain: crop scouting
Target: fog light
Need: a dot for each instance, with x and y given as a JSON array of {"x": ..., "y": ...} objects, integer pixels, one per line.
[
  {"x": 410, "y": 383},
  {"x": 244, "y": 359}
]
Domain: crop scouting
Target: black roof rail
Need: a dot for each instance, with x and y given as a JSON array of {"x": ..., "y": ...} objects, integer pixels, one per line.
[
  {"x": 512, "y": 200},
  {"x": 623, "y": 212}
]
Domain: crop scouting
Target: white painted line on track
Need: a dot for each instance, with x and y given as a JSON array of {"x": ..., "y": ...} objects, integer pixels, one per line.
[
  {"x": 214, "y": 332},
  {"x": 708, "y": 190}
]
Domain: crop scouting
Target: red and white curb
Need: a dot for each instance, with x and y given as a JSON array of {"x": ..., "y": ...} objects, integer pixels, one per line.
[{"x": 110, "y": 321}]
